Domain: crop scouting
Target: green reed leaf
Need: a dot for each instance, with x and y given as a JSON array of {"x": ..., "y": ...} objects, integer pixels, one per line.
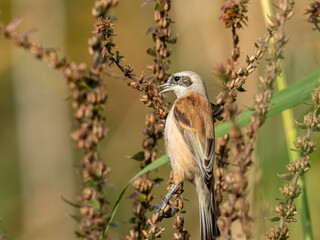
[{"x": 154, "y": 165}]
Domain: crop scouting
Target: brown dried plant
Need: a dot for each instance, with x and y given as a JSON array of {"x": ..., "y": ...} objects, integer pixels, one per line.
[
  {"x": 305, "y": 146},
  {"x": 313, "y": 10},
  {"x": 235, "y": 182},
  {"x": 104, "y": 29},
  {"x": 272, "y": 71},
  {"x": 89, "y": 106},
  {"x": 161, "y": 35},
  {"x": 88, "y": 97},
  {"x": 143, "y": 185}
]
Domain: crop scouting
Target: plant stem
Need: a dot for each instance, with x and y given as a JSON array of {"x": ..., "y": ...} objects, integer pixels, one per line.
[{"x": 290, "y": 133}]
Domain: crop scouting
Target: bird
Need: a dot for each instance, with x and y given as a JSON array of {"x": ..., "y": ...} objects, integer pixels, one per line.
[{"x": 189, "y": 143}]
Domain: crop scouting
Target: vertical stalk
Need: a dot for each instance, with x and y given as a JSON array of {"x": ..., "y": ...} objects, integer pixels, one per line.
[{"x": 290, "y": 132}]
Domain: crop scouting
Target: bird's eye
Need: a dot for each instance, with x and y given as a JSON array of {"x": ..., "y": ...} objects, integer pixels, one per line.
[{"x": 176, "y": 78}]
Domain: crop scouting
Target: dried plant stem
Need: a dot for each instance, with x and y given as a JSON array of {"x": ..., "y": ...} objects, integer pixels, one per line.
[
  {"x": 304, "y": 145},
  {"x": 290, "y": 135},
  {"x": 88, "y": 97},
  {"x": 161, "y": 35},
  {"x": 288, "y": 118},
  {"x": 155, "y": 231},
  {"x": 236, "y": 207},
  {"x": 243, "y": 73},
  {"x": 235, "y": 182},
  {"x": 234, "y": 82},
  {"x": 155, "y": 120}
]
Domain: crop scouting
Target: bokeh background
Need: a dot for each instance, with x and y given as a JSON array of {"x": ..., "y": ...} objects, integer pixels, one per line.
[{"x": 38, "y": 164}]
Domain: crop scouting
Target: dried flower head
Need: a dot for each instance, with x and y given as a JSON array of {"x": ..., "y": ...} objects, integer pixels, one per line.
[
  {"x": 234, "y": 13},
  {"x": 304, "y": 145},
  {"x": 313, "y": 12},
  {"x": 278, "y": 233},
  {"x": 316, "y": 97},
  {"x": 301, "y": 166}
]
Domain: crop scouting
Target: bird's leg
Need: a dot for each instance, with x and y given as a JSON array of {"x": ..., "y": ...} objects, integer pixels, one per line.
[{"x": 166, "y": 200}]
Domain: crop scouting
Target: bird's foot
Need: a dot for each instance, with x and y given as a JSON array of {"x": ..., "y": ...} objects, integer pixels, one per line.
[{"x": 160, "y": 205}]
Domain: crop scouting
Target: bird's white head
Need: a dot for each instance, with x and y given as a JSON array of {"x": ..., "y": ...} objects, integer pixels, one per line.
[{"x": 182, "y": 83}]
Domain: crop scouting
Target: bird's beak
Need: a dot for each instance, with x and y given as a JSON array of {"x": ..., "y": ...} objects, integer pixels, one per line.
[{"x": 167, "y": 87}]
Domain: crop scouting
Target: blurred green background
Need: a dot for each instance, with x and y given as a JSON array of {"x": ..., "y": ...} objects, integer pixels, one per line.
[{"x": 38, "y": 163}]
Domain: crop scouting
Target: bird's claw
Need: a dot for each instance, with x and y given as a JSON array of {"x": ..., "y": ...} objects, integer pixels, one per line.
[{"x": 160, "y": 205}]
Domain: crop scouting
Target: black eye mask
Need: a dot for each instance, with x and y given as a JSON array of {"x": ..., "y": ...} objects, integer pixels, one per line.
[{"x": 185, "y": 81}]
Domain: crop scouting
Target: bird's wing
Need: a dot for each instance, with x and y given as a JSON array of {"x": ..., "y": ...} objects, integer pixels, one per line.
[{"x": 193, "y": 116}]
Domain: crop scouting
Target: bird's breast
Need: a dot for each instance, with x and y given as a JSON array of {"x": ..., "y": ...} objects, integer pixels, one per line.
[{"x": 178, "y": 151}]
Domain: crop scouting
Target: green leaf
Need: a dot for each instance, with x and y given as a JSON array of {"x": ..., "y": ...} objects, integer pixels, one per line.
[
  {"x": 91, "y": 184},
  {"x": 77, "y": 218},
  {"x": 158, "y": 180},
  {"x": 114, "y": 209},
  {"x": 158, "y": 7},
  {"x": 152, "y": 236},
  {"x": 113, "y": 224},
  {"x": 138, "y": 156},
  {"x": 248, "y": 59},
  {"x": 152, "y": 52},
  {"x": 132, "y": 220},
  {"x": 70, "y": 203},
  {"x": 154, "y": 165},
  {"x": 95, "y": 204},
  {"x": 185, "y": 199},
  {"x": 287, "y": 98},
  {"x": 273, "y": 219},
  {"x": 119, "y": 58},
  {"x": 142, "y": 198},
  {"x": 79, "y": 234},
  {"x": 172, "y": 40}
]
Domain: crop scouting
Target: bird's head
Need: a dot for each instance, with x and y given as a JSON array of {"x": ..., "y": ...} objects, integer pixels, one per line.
[{"x": 182, "y": 83}]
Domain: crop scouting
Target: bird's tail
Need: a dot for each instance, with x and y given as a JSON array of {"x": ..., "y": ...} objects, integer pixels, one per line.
[{"x": 208, "y": 222}]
